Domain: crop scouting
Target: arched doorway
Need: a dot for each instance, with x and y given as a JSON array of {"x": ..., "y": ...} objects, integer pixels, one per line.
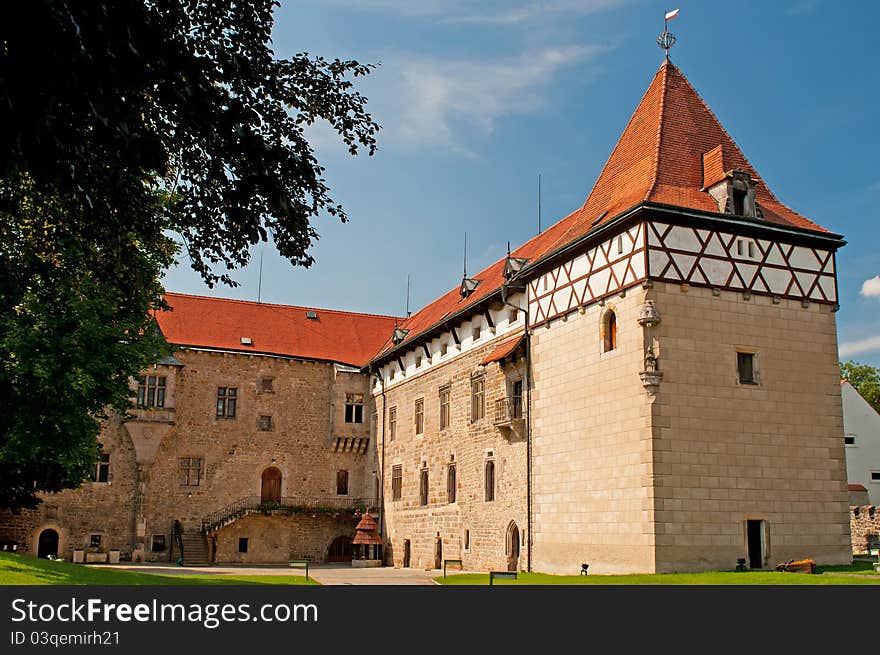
[
  {"x": 512, "y": 548},
  {"x": 270, "y": 489},
  {"x": 47, "y": 543},
  {"x": 438, "y": 553},
  {"x": 340, "y": 550},
  {"x": 407, "y": 553}
]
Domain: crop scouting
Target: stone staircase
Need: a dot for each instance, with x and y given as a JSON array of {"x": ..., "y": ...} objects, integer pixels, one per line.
[{"x": 195, "y": 548}]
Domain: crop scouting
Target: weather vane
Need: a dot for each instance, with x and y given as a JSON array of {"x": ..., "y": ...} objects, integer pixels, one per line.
[{"x": 667, "y": 40}]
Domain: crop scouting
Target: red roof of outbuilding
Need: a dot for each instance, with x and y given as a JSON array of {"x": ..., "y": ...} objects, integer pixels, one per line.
[
  {"x": 659, "y": 158},
  {"x": 344, "y": 337},
  {"x": 857, "y": 487}
]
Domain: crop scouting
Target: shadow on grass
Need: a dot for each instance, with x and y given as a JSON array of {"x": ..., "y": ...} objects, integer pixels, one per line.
[{"x": 25, "y": 570}]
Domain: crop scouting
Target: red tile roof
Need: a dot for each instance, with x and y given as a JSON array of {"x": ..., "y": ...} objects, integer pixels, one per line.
[
  {"x": 857, "y": 487},
  {"x": 220, "y": 323},
  {"x": 504, "y": 348},
  {"x": 659, "y": 158}
]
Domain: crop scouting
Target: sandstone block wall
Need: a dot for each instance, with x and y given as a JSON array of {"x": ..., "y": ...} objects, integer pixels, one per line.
[
  {"x": 486, "y": 525},
  {"x": 592, "y": 467},
  {"x": 726, "y": 452}
]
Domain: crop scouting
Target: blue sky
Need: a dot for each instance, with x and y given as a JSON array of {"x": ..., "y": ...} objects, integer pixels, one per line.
[{"x": 477, "y": 98}]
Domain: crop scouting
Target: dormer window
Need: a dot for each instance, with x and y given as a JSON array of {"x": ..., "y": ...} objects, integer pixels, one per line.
[
  {"x": 732, "y": 189},
  {"x": 399, "y": 335},
  {"x": 468, "y": 286}
]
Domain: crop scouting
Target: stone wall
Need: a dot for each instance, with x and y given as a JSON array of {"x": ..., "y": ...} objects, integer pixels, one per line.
[
  {"x": 97, "y": 508},
  {"x": 725, "y": 453},
  {"x": 145, "y": 495},
  {"x": 278, "y": 538},
  {"x": 485, "y": 526},
  {"x": 592, "y": 467},
  {"x": 864, "y": 524}
]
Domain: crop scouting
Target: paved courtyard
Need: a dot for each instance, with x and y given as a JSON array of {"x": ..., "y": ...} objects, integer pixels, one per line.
[{"x": 326, "y": 574}]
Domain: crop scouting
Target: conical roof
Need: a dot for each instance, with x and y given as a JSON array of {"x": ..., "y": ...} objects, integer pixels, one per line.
[{"x": 367, "y": 531}]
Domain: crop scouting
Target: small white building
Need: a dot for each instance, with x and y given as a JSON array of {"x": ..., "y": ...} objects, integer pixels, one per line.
[{"x": 861, "y": 428}]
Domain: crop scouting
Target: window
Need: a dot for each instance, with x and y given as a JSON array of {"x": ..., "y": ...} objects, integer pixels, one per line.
[
  {"x": 418, "y": 361},
  {"x": 745, "y": 365},
  {"x": 745, "y": 248},
  {"x": 512, "y": 316},
  {"x": 849, "y": 440},
  {"x": 354, "y": 408},
  {"x": 423, "y": 487},
  {"x": 490, "y": 480},
  {"x": 450, "y": 484},
  {"x": 396, "y": 481},
  {"x": 267, "y": 385},
  {"x": 392, "y": 423},
  {"x": 157, "y": 543},
  {"x": 102, "y": 469},
  {"x": 341, "y": 483},
  {"x": 477, "y": 332},
  {"x": 478, "y": 398},
  {"x": 242, "y": 544},
  {"x": 444, "y": 407},
  {"x": 226, "y": 400},
  {"x": 609, "y": 331},
  {"x": 620, "y": 245},
  {"x": 875, "y": 476},
  {"x": 190, "y": 471},
  {"x": 151, "y": 391},
  {"x": 95, "y": 541},
  {"x": 467, "y": 539},
  {"x": 443, "y": 349},
  {"x": 739, "y": 201},
  {"x": 420, "y": 416},
  {"x": 264, "y": 423}
]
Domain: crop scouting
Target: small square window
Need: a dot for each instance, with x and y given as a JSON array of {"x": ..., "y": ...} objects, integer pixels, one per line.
[
  {"x": 849, "y": 440},
  {"x": 477, "y": 332},
  {"x": 512, "y": 316},
  {"x": 745, "y": 364},
  {"x": 443, "y": 349},
  {"x": 242, "y": 544},
  {"x": 267, "y": 385},
  {"x": 875, "y": 476},
  {"x": 157, "y": 544},
  {"x": 264, "y": 423},
  {"x": 95, "y": 541}
]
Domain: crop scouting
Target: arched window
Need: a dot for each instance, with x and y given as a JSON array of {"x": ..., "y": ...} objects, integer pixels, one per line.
[
  {"x": 490, "y": 480},
  {"x": 609, "y": 331},
  {"x": 450, "y": 484}
]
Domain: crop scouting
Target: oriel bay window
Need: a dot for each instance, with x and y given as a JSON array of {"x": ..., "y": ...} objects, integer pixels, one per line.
[
  {"x": 354, "y": 408},
  {"x": 151, "y": 391}
]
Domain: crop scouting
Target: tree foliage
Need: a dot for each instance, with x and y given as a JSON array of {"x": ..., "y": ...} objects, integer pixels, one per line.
[
  {"x": 866, "y": 380},
  {"x": 124, "y": 123}
]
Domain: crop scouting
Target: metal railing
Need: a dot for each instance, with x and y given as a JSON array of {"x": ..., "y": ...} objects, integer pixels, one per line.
[
  {"x": 290, "y": 505},
  {"x": 508, "y": 409}
]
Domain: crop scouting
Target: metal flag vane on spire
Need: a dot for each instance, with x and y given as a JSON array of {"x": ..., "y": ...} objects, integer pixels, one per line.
[{"x": 667, "y": 40}]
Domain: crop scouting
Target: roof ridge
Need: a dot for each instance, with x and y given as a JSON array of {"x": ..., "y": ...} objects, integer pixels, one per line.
[
  {"x": 271, "y": 304},
  {"x": 620, "y": 139},
  {"x": 660, "y": 120}
]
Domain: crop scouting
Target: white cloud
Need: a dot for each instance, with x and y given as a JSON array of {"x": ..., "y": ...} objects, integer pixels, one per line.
[
  {"x": 860, "y": 347},
  {"x": 499, "y": 12},
  {"x": 439, "y": 102},
  {"x": 871, "y": 287}
]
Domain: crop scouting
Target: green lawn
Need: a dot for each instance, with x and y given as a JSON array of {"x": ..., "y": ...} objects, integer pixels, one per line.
[
  {"x": 709, "y": 578},
  {"x": 24, "y": 570}
]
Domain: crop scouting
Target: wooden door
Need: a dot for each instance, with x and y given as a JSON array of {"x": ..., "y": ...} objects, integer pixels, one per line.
[
  {"x": 270, "y": 489},
  {"x": 407, "y": 553}
]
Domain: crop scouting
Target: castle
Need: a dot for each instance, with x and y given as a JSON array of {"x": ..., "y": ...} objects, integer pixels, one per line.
[{"x": 649, "y": 385}]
